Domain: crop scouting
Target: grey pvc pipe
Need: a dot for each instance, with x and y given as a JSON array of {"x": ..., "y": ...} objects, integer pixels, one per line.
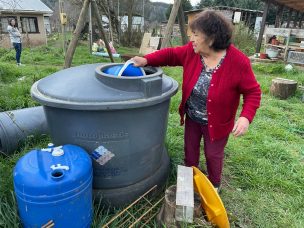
[{"x": 17, "y": 125}]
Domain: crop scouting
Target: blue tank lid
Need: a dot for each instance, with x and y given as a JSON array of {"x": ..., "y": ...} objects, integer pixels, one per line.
[
  {"x": 130, "y": 71},
  {"x": 52, "y": 171}
]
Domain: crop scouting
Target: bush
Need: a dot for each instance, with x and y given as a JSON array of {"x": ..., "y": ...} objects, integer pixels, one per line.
[
  {"x": 243, "y": 38},
  {"x": 9, "y": 73},
  {"x": 10, "y": 55},
  {"x": 136, "y": 38}
]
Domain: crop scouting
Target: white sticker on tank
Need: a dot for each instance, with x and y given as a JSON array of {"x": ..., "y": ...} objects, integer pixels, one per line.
[
  {"x": 59, "y": 166},
  {"x": 102, "y": 155}
]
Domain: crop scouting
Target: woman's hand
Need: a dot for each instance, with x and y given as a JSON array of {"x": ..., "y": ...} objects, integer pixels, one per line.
[
  {"x": 139, "y": 61},
  {"x": 240, "y": 127}
]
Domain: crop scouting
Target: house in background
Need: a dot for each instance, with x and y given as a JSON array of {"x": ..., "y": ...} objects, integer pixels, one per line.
[
  {"x": 32, "y": 18},
  {"x": 137, "y": 22}
]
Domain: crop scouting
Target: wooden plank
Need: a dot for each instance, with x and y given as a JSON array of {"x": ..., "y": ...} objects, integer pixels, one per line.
[
  {"x": 184, "y": 194},
  {"x": 144, "y": 47},
  {"x": 287, "y": 43}
]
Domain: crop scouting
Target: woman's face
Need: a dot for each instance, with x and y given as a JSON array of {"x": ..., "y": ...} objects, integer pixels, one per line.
[
  {"x": 201, "y": 44},
  {"x": 13, "y": 22}
]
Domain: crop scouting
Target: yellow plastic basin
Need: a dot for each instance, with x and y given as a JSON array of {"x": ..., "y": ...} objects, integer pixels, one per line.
[{"x": 211, "y": 201}]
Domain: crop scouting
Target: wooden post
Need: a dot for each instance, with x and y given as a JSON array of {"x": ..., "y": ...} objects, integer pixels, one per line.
[
  {"x": 259, "y": 41},
  {"x": 278, "y": 20},
  {"x": 289, "y": 17},
  {"x": 182, "y": 24},
  {"x": 90, "y": 28},
  {"x": 283, "y": 88},
  {"x": 184, "y": 194},
  {"x": 80, "y": 24},
  {"x": 63, "y": 26},
  {"x": 287, "y": 44},
  {"x": 169, "y": 27},
  {"x": 102, "y": 33}
]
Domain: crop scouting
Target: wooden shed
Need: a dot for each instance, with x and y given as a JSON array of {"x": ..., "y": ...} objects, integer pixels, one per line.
[
  {"x": 295, "y": 7},
  {"x": 234, "y": 14}
]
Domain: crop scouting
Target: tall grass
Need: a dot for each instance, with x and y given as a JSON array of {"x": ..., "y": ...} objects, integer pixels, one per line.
[{"x": 244, "y": 39}]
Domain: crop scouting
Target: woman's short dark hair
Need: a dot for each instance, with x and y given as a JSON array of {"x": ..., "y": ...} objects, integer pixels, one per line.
[
  {"x": 10, "y": 22},
  {"x": 215, "y": 26}
]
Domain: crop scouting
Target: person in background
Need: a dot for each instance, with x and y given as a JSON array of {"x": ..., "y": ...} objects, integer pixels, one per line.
[
  {"x": 15, "y": 37},
  {"x": 215, "y": 75}
]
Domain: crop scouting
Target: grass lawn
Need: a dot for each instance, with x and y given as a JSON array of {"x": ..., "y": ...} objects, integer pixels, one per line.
[{"x": 263, "y": 172}]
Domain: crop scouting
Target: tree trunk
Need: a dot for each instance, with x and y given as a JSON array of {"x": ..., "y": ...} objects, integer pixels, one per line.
[
  {"x": 130, "y": 17},
  {"x": 295, "y": 22},
  {"x": 278, "y": 20},
  {"x": 80, "y": 24},
  {"x": 289, "y": 17},
  {"x": 182, "y": 24},
  {"x": 102, "y": 33},
  {"x": 283, "y": 88},
  {"x": 114, "y": 21},
  {"x": 169, "y": 27}
]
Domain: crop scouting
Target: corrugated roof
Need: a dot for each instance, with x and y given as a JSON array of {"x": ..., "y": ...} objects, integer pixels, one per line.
[
  {"x": 225, "y": 8},
  {"x": 294, "y": 4},
  {"x": 24, "y": 6}
]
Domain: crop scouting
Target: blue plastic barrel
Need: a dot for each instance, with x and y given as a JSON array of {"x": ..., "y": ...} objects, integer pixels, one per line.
[{"x": 54, "y": 185}]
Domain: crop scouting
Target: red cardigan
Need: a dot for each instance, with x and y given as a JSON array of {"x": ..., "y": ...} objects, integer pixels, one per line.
[{"x": 233, "y": 78}]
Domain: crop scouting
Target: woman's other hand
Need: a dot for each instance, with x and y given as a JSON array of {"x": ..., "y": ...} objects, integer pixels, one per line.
[
  {"x": 240, "y": 127},
  {"x": 139, "y": 61}
]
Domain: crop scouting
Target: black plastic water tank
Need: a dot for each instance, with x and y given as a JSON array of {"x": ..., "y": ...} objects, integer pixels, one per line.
[{"x": 121, "y": 121}]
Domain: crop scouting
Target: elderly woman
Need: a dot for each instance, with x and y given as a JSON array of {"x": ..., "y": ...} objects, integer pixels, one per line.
[
  {"x": 15, "y": 37},
  {"x": 215, "y": 74}
]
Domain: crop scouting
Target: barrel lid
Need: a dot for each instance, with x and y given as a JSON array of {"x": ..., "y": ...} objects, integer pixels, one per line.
[
  {"x": 89, "y": 87},
  {"x": 52, "y": 171}
]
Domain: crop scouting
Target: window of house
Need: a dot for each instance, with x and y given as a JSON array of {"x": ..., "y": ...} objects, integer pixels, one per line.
[
  {"x": 29, "y": 24},
  {"x": 4, "y": 23}
]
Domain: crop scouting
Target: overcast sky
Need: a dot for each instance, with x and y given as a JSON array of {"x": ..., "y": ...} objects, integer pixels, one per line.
[{"x": 193, "y": 2}]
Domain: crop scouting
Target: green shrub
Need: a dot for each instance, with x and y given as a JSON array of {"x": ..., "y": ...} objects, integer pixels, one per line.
[
  {"x": 10, "y": 55},
  {"x": 9, "y": 73},
  {"x": 4, "y": 51}
]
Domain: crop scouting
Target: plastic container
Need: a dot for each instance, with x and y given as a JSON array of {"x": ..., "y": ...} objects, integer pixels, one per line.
[
  {"x": 17, "y": 125},
  {"x": 54, "y": 184},
  {"x": 272, "y": 52},
  {"x": 211, "y": 201},
  {"x": 128, "y": 70},
  {"x": 126, "y": 116},
  {"x": 263, "y": 55}
]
